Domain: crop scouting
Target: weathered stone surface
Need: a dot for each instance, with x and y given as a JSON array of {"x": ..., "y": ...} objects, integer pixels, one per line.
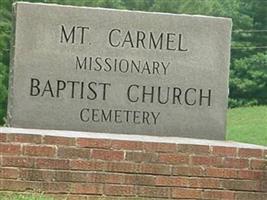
[{"x": 105, "y": 70}]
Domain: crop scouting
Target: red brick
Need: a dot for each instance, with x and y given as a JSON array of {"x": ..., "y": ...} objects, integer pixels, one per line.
[
  {"x": 258, "y": 164},
  {"x": 107, "y": 154},
  {"x": 122, "y": 167},
  {"x": 155, "y": 169},
  {"x": 90, "y": 177},
  {"x": 204, "y": 183},
  {"x": 25, "y": 138},
  {"x": 74, "y": 176},
  {"x": 139, "y": 180},
  {"x": 188, "y": 171},
  {"x": 93, "y": 143},
  {"x": 145, "y": 172},
  {"x": 141, "y": 157},
  {"x": 9, "y": 173},
  {"x": 87, "y": 165},
  {"x": 250, "y": 196},
  {"x": 65, "y": 141},
  {"x": 237, "y": 163},
  {"x": 222, "y": 173},
  {"x": 159, "y": 147},
  {"x": 218, "y": 194},
  {"x": 10, "y": 149},
  {"x": 114, "y": 178},
  {"x": 249, "y": 153},
  {"x": 207, "y": 160},
  {"x": 3, "y": 137},
  {"x": 224, "y": 151},
  {"x": 193, "y": 149},
  {"x": 119, "y": 190},
  {"x": 158, "y": 192},
  {"x": 46, "y": 163},
  {"x": 18, "y": 162},
  {"x": 250, "y": 174},
  {"x": 42, "y": 151},
  {"x": 172, "y": 181},
  {"x": 20, "y": 186},
  {"x": 73, "y": 152},
  {"x": 186, "y": 193},
  {"x": 102, "y": 177},
  {"x": 173, "y": 158},
  {"x": 87, "y": 188},
  {"x": 241, "y": 185},
  {"x": 127, "y": 145},
  {"x": 263, "y": 185},
  {"x": 37, "y": 175},
  {"x": 56, "y": 187}
]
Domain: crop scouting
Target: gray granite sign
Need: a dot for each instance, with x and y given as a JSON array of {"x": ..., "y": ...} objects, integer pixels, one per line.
[{"x": 103, "y": 70}]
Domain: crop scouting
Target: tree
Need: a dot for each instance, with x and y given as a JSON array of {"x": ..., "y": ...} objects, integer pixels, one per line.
[
  {"x": 248, "y": 81},
  {"x": 5, "y": 32}
]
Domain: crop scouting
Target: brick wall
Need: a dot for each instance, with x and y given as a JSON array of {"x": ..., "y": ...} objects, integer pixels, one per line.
[{"x": 98, "y": 168}]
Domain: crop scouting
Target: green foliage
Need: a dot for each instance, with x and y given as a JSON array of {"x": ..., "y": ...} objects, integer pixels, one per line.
[
  {"x": 5, "y": 32},
  {"x": 248, "y": 54},
  {"x": 142, "y": 5},
  {"x": 170, "y": 6},
  {"x": 248, "y": 125},
  {"x": 14, "y": 196},
  {"x": 248, "y": 81},
  {"x": 3, "y": 92}
]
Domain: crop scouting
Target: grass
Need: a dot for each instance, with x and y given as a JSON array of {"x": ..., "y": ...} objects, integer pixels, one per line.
[
  {"x": 14, "y": 196},
  {"x": 248, "y": 124}
]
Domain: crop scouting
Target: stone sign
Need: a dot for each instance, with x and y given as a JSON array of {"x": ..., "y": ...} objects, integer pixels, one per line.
[{"x": 104, "y": 70}]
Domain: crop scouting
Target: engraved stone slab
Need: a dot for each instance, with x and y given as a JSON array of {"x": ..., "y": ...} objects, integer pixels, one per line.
[{"x": 103, "y": 70}]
